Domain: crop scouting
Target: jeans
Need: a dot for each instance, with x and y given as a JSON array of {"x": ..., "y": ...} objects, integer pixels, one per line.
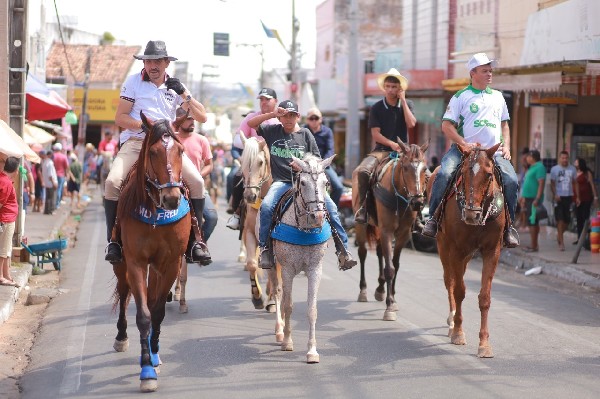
[
  {"x": 450, "y": 163},
  {"x": 269, "y": 204},
  {"x": 210, "y": 217},
  {"x": 59, "y": 189},
  {"x": 336, "y": 185},
  {"x": 236, "y": 153}
]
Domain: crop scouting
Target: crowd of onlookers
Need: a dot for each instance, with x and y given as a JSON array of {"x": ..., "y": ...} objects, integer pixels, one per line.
[{"x": 572, "y": 191}]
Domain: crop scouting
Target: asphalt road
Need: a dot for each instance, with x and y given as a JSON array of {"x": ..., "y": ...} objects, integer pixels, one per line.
[{"x": 544, "y": 335}]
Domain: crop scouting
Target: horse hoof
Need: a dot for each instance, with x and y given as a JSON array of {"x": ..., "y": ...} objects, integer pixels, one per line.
[
  {"x": 121, "y": 346},
  {"x": 183, "y": 309},
  {"x": 450, "y": 330},
  {"x": 259, "y": 303},
  {"x": 170, "y": 297},
  {"x": 271, "y": 308},
  {"x": 362, "y": 297},
  {"x": 389, "y": 315},
  {"x": 287, "y": 346},
  {"x": 242, "y": 259},
  {"x": 485, "y": 352},
  {"x": 458, "y": 339},
  {"x": 279, "y": 338},
  {"x": 177, "y": 297},
  {"x": 380, "y": 296},
  {"x": 148, "y": 385},
  {"x": 394, "y": 307},
  {"x": 312, "y": 358}
]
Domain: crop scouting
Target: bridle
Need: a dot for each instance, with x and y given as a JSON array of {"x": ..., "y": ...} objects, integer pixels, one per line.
[
  {"x": 167, "y": 141},
  {"x": 258, "y": 186},
  {"x": 459, "y": 188},
  {"x": 320, "y": 204},
  {"x": 416, "y": 164}
]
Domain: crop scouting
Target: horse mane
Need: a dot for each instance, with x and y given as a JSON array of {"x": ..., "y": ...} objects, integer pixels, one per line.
[
  {"x": 251, "y": 151},
  {"x": 133, "y": 189}
]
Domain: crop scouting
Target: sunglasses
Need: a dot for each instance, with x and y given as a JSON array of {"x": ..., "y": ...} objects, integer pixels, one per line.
[{"x": 313, "y": 118}]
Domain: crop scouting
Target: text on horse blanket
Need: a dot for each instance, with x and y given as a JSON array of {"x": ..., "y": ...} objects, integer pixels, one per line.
[
  {"x": 293, "y": 235},
  {"x": 162, "y": 216}
]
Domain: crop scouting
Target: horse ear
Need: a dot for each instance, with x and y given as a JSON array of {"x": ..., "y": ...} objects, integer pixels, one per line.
[
  {"x": 146, "y": 121},
  {"x": 405, "y": 147},
  {"x": 425, "y": 146},
  {"x": 243, "y": 137},
  {"x": 326, "y": 162},
  {"x": 297, "y": 164},
  {"x": 491, "y": 151}
]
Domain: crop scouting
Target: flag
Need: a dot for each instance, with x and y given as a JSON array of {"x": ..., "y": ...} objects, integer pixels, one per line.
[{"x": 272, "y": 33}]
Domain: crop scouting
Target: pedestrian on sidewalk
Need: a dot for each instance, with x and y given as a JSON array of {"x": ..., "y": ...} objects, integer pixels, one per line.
[
  {"x": 586, "y": 196},
  {"x": 563, "y": 184},
  {"x": 533, "y": 195},
  {"x": 9, "y": 209},
  {"x": 50, "y": 182},
  {"x": 74, "y": 182},
  {"x": 61, "y": 165}
]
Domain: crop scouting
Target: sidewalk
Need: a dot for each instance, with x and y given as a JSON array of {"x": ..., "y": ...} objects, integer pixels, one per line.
[{"x": 38, "y": 228}]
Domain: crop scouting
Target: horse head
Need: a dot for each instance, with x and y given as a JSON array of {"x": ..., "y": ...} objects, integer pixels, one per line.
[
  {"x": 310, "y": 188},
  {"x": 162, "y": 163},
  {"x": 477, "y": 173},
  {"x": 256, "y": 168},
  {"x": 412, "y": 176}
]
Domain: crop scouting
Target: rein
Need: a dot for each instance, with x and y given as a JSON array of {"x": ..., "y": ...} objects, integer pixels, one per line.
[
  {"x": 167, "y": 143},
  {"x": 298, "y": 213}
]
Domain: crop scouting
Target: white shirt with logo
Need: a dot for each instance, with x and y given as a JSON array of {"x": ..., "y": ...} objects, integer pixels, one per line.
[
  {"x": 563, "y": 177},
  {"x": 478, "y": 115},
  {"x": 156, "y": 102}
]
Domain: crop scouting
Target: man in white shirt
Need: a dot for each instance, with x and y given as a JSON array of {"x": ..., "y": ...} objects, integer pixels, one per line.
[{"x": 563, "y": 184}]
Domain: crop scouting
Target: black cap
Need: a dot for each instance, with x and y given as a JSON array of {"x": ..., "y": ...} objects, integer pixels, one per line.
[
  {"x": 266, "y": 92},
  {"x": 289, "y": 106}
]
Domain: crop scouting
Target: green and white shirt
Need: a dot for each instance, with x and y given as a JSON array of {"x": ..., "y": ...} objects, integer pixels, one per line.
[{"x": 478, "y": 115}]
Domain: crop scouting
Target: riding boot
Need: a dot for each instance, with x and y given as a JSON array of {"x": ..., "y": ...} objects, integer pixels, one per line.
[
  {"x": 113, "y": 249},
  {"x": 198, "y": 251},
  {"x": 266, "y": 260},
  {"x": 431, "y": 227},
  {"x": 363, "y": 187},
  {"x": 510, "y": 237},
  {"x": 345, "y": 260}
]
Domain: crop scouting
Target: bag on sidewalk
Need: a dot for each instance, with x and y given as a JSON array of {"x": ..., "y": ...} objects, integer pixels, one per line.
[{"x": 541, "y": 212}]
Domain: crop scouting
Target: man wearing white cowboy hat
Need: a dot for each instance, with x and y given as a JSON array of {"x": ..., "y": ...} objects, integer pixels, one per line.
[
  {"x": 389, "y": 119},
  {"x": 158, "y": 96},
  {"x": 462, "y": 123}
]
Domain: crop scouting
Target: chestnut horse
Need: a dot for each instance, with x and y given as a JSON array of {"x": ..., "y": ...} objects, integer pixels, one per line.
[
  {"x": 256, "y": 171},
  {"x": 473, "y": 220},
  {"x": 152, "y": 251},
  {"x": 398, "y": 193}
]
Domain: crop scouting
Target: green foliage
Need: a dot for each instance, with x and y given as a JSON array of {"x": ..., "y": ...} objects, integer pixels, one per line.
[{"x": 108, "y": 38}]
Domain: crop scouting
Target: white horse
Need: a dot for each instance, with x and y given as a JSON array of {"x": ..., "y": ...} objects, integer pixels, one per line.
[{"x": 307, "y": 213}]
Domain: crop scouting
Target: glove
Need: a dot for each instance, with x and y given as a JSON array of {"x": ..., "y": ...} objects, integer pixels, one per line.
[{"x": 175, "y": 85}]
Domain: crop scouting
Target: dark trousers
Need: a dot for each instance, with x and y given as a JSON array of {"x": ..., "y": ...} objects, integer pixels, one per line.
[
  {"x": 583, "y": 213},
  {"x": 49, "y": 205}
]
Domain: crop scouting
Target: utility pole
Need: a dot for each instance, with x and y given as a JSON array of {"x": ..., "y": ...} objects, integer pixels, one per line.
[
  {"x": 352, "y": 117},
  {"x": 17, "y": 75},
  {"x": 83, "y": 117},
  {"x": 294, "y": 55}
]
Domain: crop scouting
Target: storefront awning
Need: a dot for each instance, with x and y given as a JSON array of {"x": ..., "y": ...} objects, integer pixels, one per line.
[
  {"x": 548, "y": 81},
  {"x": 43, "y": 103},
  {"x": 13, "y": 145},
  {"x": 35, "y": 135}
]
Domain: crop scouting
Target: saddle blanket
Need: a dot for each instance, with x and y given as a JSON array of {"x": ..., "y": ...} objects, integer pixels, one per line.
[
  {"x": 293, "y": 235},
  {"x": 162, "y": 216}
]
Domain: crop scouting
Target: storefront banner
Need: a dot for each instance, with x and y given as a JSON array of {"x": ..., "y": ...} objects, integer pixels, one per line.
[
  {"x": 567, "y": 95},
  {"x": 101, "y": 104}
]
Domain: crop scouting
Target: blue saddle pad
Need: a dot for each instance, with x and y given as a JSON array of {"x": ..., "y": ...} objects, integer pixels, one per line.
[
  {"x": 292, "y": 235},
  {"x": 162, "y": 216}
]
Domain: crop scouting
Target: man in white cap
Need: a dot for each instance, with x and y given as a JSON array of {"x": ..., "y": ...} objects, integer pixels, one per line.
[
  {"x": 389, "y": 119},
  {"x": 462, "y": 123},
  {"x": 158, "y": 96}
]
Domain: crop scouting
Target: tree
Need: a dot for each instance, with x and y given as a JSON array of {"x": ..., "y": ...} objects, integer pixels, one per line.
[{"x": 107, "y": 38}]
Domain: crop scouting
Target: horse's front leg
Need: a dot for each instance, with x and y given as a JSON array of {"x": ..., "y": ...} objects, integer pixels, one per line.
[
  {"x": 490, "y": 261},
  {"x": 148, "y": 376},
  {"x": 361, "y": 238},
  {"x": 121, "y": 343},
  {"x": 396, "y": 262},
  {"x": 380, "y": 290},
  {"x": 275, "y": 295},
  {"x": 388, "y": 272},
  {"x": 182, "y": 281},
  {"x": 252, "y": 267},
  {"x": 242, "y": 256},
  {"x": 456, "y": 276},
  {"x": 314, "y": 280},
  {"x": 287, "y": 282}
]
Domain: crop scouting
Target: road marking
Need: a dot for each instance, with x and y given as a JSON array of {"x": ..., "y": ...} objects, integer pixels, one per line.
[{"x": 71, "y": 379}]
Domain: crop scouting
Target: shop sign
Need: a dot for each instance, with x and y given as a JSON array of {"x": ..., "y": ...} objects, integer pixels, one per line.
[
  {"x": 566, "y": 95},
  {"x": 101, "y": 104}
]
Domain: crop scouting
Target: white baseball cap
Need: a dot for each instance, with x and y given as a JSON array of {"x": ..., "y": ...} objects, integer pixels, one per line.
[
  {"x": 480, "y": 59},
  {"x": 57, "y": 147}
]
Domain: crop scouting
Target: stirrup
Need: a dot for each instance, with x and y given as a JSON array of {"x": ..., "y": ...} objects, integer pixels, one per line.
[
  {"x": 203, "y": 258},
  {"x": 345, "y": 260},
  {"x": 430, "y": 229},
  {"x": 114, "y": 256},
  {"x": 265, "y": 260}
]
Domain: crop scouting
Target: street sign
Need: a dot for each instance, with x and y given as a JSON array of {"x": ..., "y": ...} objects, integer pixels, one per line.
[{"x": 221, "y": 44}]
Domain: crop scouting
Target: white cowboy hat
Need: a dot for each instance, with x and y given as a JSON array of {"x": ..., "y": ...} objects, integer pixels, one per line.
[{"x": 392, "y": 72}]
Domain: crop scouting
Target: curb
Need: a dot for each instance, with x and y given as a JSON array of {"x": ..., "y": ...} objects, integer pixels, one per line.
[
  {"x": 9, "y": 295},
  {"x": 559, "y": 270}
]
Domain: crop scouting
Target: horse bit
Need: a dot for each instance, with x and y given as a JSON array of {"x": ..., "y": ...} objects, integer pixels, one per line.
[
  {"x": 167, "y": 142},
  {"x": 298, "y": 193}
]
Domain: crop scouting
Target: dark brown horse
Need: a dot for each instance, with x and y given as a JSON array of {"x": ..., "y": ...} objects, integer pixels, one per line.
[
  {"x": 152, "y": 251},
  {"x": 473, "y": 220},
  {"x": 398, "y": 193}
]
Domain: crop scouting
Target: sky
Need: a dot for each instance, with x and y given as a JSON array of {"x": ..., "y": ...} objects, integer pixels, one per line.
[{"x": 187, "y": 27}]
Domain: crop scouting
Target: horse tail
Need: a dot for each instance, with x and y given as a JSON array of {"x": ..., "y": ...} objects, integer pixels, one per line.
[
  {"x": 122, "y": 291},
  {"x": 373, "y": 235}
]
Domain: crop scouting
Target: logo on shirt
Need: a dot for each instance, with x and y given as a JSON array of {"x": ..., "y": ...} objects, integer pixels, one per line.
[
  {"x": 169, "y": 96},
  {"x": 483, "y": 123},
  {"x": 281, "y": 149},
  {"x": 474, "y": 108}
]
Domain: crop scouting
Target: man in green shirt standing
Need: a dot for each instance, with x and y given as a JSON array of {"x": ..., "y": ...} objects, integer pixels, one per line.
[{"x": 532, "y": 195}]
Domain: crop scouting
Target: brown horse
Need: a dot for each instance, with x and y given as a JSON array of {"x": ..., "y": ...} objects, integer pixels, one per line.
[
  {"x": 152, "y": 251},
  {"x": 473, "y": 220},
  {"x": 256, "y": 171},
  {"x": 398, "y": 195}
]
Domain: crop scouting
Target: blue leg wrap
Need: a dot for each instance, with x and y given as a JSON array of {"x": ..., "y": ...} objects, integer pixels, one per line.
[{"x": 148, "y": 373}]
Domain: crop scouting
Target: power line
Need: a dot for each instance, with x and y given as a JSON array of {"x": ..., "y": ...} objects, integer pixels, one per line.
[{"x": 62, "y": 39}]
